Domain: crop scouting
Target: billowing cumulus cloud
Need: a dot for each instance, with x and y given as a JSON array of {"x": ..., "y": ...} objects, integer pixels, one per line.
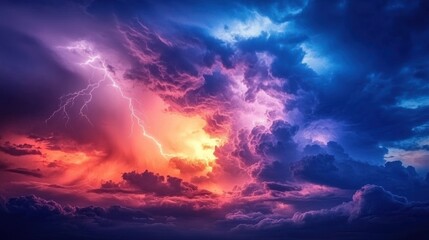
[
  {"x": 371, "y": 208},
  {"x": 234, "y": 120},
  {"x": 371, "y": 202},
  {"x": 151, "y": 183},
  {"x": 325, "y": 169}
]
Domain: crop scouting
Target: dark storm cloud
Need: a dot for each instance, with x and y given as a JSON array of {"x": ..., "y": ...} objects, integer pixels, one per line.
[
  {"x": 373, "y": 213},
  {"x": 192, "y": 49},
  {"x": 332, "y": 148},
  {"x": 350, "y": 174},
  {"x": 378, "y": 48},
  {"x": 31, "y": 217},
  {"x": 19, "y": 149},
  {"x": 287, "y": 64},
  {"x": 370, "y": 200},
  {"x": 386, "y": 30},
  {"x": 214, "y": 90},
  {"x": 149, "y": 182},
  {"x": 272, "y": 149},
  {"x": 32, "y": 206},
  {"x": 276, "y": 143},
  {"x": 152, "y": 183},
  {"x": 281, "y": 187},
  {"x": 274, "y": 171}
]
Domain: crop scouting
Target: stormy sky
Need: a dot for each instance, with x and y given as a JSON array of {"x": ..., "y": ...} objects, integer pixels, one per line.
[{"x": 294, "y": 119}]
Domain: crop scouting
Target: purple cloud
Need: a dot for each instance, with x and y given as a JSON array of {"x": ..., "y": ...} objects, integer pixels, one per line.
[
  {"x": 19, "y": 149},
  {"x": 152, "y": 183}
]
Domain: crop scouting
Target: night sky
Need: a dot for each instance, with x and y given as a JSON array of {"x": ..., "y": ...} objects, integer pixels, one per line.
[{"x": 293, "y": 119}]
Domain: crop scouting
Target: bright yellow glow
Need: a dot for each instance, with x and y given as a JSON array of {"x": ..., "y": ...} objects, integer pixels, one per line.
[
  {"x": 198, "y": 145},
  {"x": 181, "y": 136}
]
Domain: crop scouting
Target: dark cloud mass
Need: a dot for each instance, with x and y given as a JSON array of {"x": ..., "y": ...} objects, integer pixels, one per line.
[
  {"x": 285, "y": 119},
  {"x": 366, "y": 216},
  {"x": 325, "y": 169},
  {"x": 19, "y": 150},
  {"x": 372, "y": 208},
  {"x": 152, "y": 183}
]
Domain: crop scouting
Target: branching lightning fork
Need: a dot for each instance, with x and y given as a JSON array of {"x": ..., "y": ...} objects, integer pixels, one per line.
[{"x": 96, "y": 62}]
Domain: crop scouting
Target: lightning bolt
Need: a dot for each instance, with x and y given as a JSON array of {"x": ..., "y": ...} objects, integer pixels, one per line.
[{"x": 96, "y": 62}]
